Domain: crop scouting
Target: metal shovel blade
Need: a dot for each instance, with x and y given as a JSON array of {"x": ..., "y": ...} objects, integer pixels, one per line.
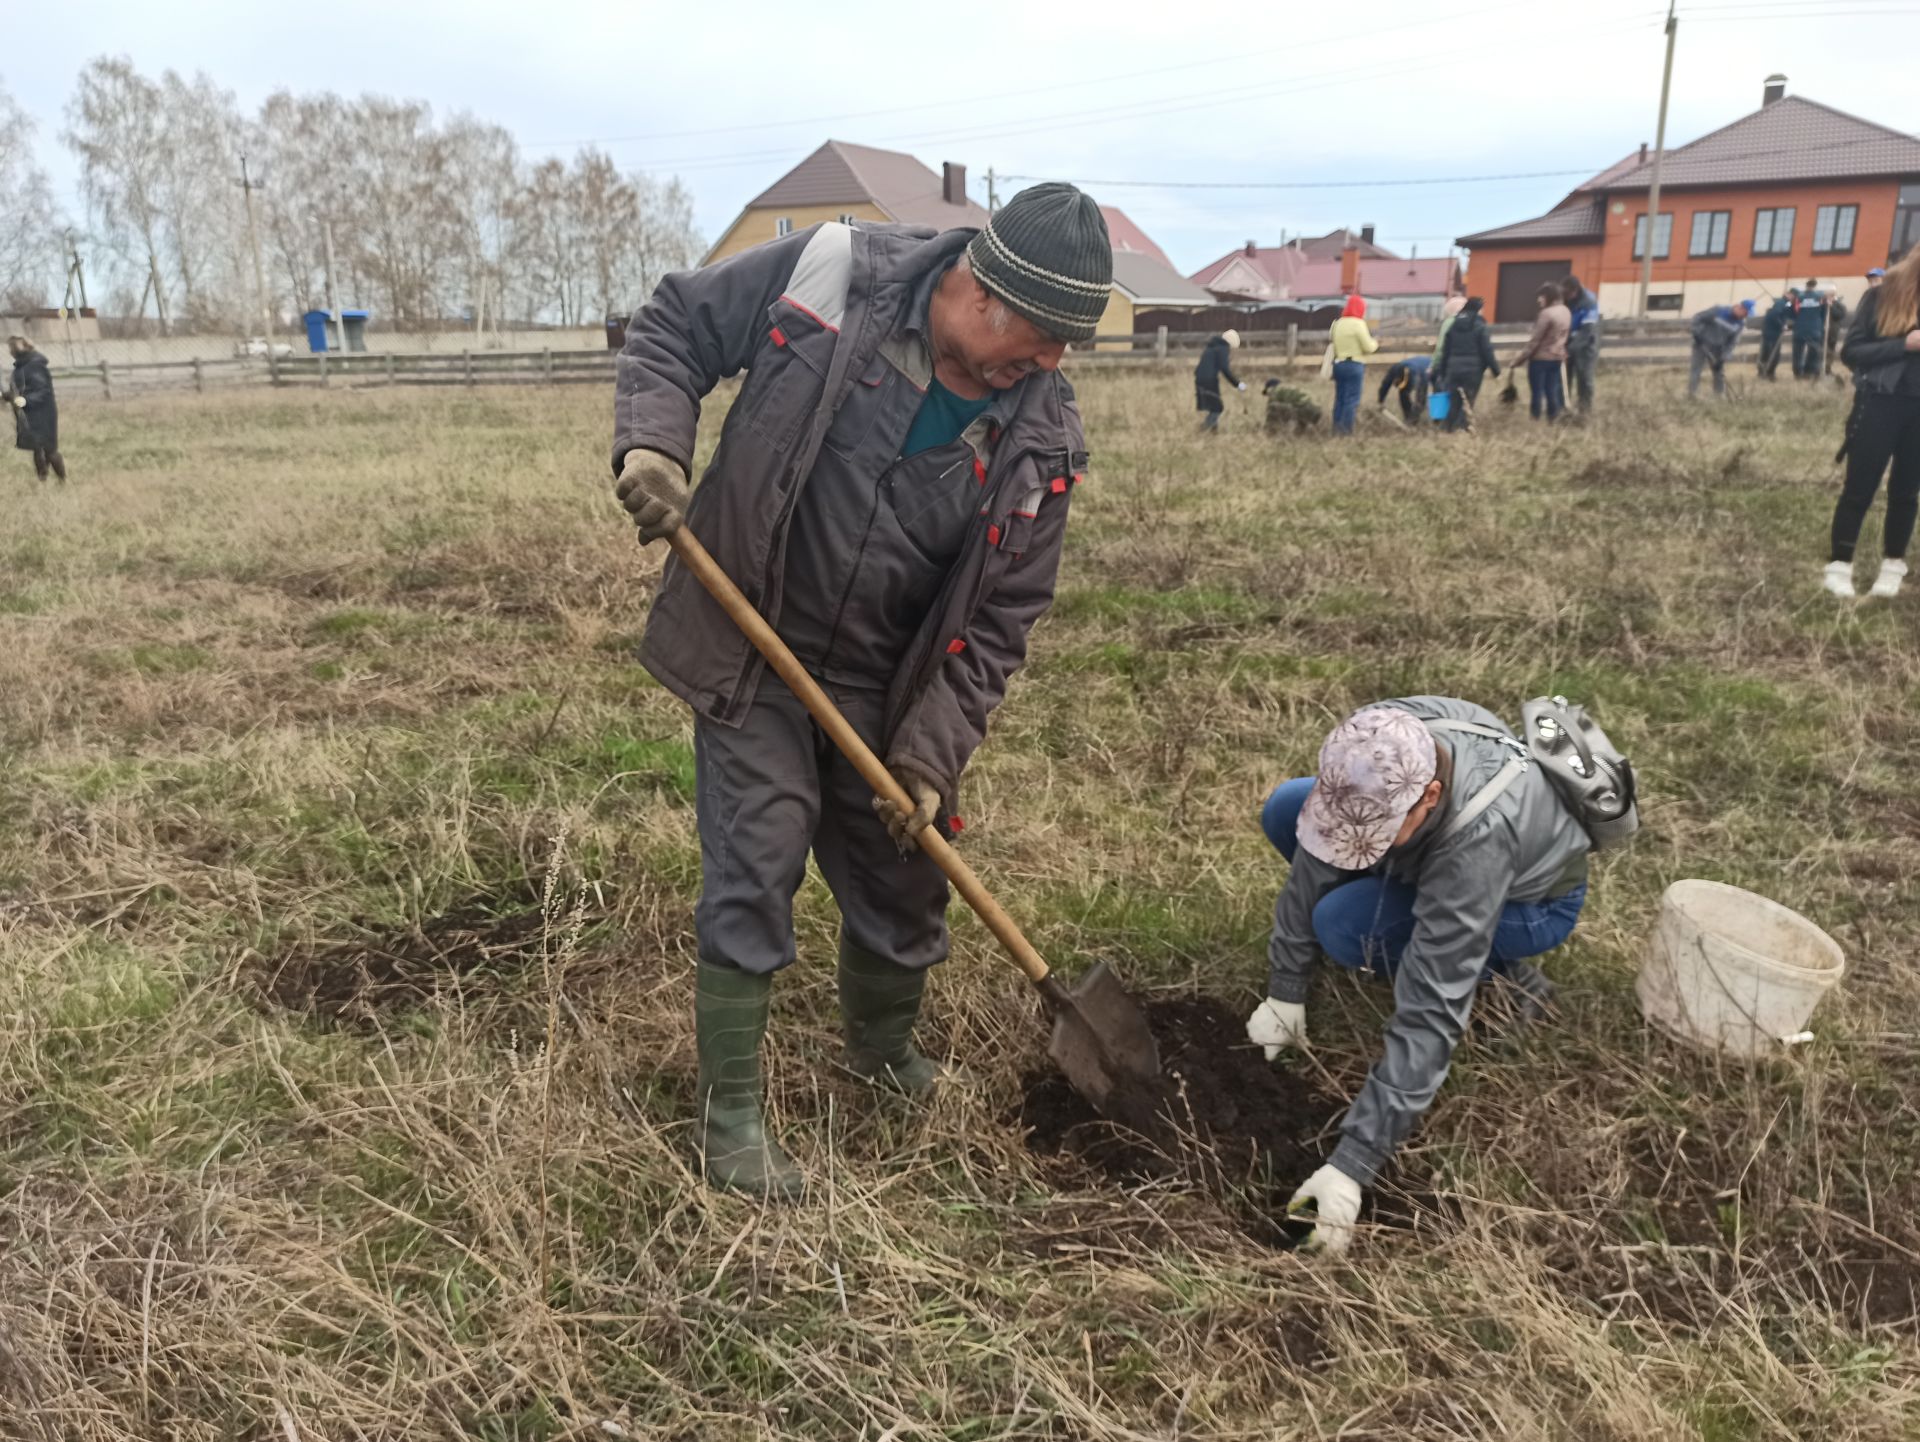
[{"x": 1106, "y": 1051}]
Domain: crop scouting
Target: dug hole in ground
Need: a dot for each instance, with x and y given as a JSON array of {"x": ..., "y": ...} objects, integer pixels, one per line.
[{"x": 346, "y": 953}]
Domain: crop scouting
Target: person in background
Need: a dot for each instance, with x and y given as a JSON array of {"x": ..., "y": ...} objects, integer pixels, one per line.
[
  {"x": 36, "y": 418},
  {"x": 1809, "y": 332},
  {"x": 1837, "y": 315},
  {"x": 1882, "y": 349},
  {"x": 1773, "y": 332},
  {"x": 1421, "y": 854},
  {"x": 1466, "y": 358},
  {"x": 1454, "y": 305},
  {"x": 1216, "y": 365},
  {"x": 1716, "y": 331},
  {"x": 1583, "y": 341},
  {"x": 1874, "y": 277},
  {"x": 1413, "y": 378},
  {"x": 1351, "y": 342},
  {"x": 1545, "y": 353}
]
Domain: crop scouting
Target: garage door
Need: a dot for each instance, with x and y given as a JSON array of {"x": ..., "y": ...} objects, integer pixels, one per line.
[{"x": 1519, "y": 279}]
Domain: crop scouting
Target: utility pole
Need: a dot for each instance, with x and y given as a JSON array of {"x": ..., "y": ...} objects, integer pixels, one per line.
[
  {"x": 993, "y": 196},
  {"x": 1659, "y": 150},
  {"x": 339, "y": 321},
  {"x": 253, "y": 242}
]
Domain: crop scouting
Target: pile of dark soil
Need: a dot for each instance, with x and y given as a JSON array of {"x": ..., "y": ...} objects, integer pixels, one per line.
[
  {"x": 383, "y": 969},
  {"x": 1240, "y": 1127}
]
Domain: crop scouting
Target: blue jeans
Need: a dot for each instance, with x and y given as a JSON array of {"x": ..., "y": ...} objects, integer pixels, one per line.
[
  {"x": 1366, "y": 923},
  {"x": 1347, "y": 379},
  {"x": 1548, "y": 384}
]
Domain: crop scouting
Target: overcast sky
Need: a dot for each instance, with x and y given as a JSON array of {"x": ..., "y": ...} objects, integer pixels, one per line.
[{"x": 728, "y": 95}]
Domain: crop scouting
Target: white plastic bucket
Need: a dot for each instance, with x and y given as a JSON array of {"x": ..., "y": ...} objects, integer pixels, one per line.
[{"x": 1733, "y": 971}]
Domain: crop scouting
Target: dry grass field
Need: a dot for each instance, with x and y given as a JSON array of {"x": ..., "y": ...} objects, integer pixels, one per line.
[{"x": 346, "y": 873}]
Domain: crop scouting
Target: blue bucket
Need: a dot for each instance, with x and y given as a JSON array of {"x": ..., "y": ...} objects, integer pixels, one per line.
[{"x": 1439, "y": 405}]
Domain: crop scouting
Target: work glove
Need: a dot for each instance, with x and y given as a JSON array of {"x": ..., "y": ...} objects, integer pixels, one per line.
[
  {"x": 1275, "y": 1024},
  {"x": 1242, "y": 385},
  {"x": 1333, "y": 1197},
  {"x": 19, "y": 402},
  {"x": 653, "y": 488},
  {"x": 905, "y": 826}
]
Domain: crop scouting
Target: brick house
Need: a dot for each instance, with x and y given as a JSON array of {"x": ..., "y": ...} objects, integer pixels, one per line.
[
  {"x": 1795, "y": 191},
  {"x": 1325, "y": 269}
]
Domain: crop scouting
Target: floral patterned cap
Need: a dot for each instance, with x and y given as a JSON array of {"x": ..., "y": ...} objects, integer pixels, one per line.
[{"x": 1372, "y": 770}]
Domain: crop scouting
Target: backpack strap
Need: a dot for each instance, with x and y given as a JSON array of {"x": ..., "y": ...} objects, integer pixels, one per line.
[{"x": 1494, "y": 789}]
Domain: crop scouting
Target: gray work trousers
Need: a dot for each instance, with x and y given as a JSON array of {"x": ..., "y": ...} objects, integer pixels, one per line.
[
  {"x": 771, "y": 790},
  {"x": 1580, "y": 365},
  {"x": 1704, "y": 359}
]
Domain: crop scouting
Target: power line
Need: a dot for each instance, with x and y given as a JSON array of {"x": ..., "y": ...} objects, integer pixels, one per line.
[{"x": 1320, "y": 184}]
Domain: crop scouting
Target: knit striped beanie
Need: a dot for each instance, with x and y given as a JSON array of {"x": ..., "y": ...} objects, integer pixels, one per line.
[{"x": 1046, "y": 254}]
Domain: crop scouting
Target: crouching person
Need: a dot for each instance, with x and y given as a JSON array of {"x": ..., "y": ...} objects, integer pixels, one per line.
[{"x": 1436, "y": 858}]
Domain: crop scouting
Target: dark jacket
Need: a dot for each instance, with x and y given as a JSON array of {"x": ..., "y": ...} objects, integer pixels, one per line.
[
  {"x": 1411, "y": 376},
  {"x": 1216, "y": 365},
  {"x": 37, "y": 427},
  {"x": 1878, "y": 362},
  {"x": 807, "y": 317},
  {"x": 1778, "y": 316},
  {"x": 1467, "y": 351},
  {"x": 1716, "y": 330},
  {"x": 1584, "y": 337},
  {"x": 1525, "y": 846},
  {"x": 1809, "y": 318}
]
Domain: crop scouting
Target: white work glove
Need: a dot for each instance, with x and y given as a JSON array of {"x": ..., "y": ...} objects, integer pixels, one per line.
[
  {"x": 1334, "y": 1198},
  {"x": 20, "y": 402},
  {"x": 1275, "y": 1024},
  {"x": 1243, "y": 385},
  {"x": 905, "y": 826}
]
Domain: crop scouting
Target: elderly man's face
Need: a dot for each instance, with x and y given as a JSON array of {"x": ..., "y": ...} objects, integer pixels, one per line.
[{"x": 998, "y": 348}]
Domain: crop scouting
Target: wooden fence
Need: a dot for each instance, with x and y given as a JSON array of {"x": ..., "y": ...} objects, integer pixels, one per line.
[{"x": 1623, "y": 343}]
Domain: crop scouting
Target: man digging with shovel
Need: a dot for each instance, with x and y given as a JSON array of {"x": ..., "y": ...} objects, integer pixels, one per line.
[{"x": 890, "y": 492}]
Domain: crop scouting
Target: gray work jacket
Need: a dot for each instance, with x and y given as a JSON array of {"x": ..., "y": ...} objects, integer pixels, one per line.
[
  {"x": 806, "y": 316},
  {"x": 1526, "y": 846}
]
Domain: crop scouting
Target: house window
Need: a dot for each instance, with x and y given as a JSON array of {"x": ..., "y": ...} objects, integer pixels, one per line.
[
  {"x": 1664, "y": 302},
  {"x": 1773, "y": 231},
  {"x": 783, "y": 225},
  {"x": 1662, "y": 236},
  {"x": 1709, "y": 233},
  {"x": 1906, "y": 223},
  {"x": 1833, "y": 229}
]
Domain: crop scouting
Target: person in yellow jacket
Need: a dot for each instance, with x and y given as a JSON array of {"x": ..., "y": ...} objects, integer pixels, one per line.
[{"x": 1351, "y": 342}]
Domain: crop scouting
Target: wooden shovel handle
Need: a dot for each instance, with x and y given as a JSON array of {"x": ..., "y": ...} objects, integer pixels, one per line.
[{"x": 872, "y": 770}]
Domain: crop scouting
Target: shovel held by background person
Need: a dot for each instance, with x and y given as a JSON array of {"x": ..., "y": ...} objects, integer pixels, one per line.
[{"x": 1101, "y": 1041}]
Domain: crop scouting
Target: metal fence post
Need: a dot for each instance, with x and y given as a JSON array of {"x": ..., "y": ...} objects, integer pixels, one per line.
[
  {"x": 324, "y": 381},
  {"x": 467, "y": 355},
  {"x": 106, "y": 381},
  {"x": 273, "y": 363},
  {"x": 199, "y": 381},
  {"x": 546, "y": 364},
  {"x": 390, "y": 380},
  {"x": 1160, "y": 344},
  {"x": 1293, "y": 343}
]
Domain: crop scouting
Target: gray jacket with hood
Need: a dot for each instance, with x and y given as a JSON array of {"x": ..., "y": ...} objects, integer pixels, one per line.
[
  {"x": 807, "y": 317},
  {"x": 1526, "y": 846}
]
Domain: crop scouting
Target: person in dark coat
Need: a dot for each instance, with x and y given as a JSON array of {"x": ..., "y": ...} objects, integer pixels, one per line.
[
  {"x": 1215, "y": 366},
  {"x": 1773, "y": 333},
  {"x": 1412, "y": 377},
  {"x": 36, "y": 420},
  {"x": 1810, "y": 332},
  {"x": 1466, "y": 357},
  {"x": 1837, "y": 316}
]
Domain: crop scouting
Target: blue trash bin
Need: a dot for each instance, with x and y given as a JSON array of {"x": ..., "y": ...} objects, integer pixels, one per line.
[{"x": 318, "y": 324}]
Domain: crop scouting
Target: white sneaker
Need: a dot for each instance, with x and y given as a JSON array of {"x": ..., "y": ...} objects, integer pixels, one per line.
[
  {"x": 1839, "y": 578},
  {"x": 1887, "y": 584}
]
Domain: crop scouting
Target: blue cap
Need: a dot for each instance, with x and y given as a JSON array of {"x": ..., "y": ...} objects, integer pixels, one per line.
[
  {"x": 1747, "y": 306},
  {"x": 1877, "y": 270}
]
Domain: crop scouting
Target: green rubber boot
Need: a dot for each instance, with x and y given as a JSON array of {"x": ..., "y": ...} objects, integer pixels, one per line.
[
  {"x": 879, "y": 1003},
  {"x": 729, "y": 1133}
]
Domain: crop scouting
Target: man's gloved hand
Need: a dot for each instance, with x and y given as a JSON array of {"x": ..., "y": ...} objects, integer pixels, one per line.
[
  {"x": 1276, "y": 1024},
  {"x": 1242, "y": 385},
  {"x": 653, "y": 488},
  {"x": 905, "y": 826},
  {"x": 19, "y": 402},
  {"x": 1334, "y": 1199}
]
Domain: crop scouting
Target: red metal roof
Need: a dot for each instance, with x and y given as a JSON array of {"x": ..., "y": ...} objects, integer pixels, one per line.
[
  {"x": 1379, "y": 278},
  {"x": 1126, "y": 236}
]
